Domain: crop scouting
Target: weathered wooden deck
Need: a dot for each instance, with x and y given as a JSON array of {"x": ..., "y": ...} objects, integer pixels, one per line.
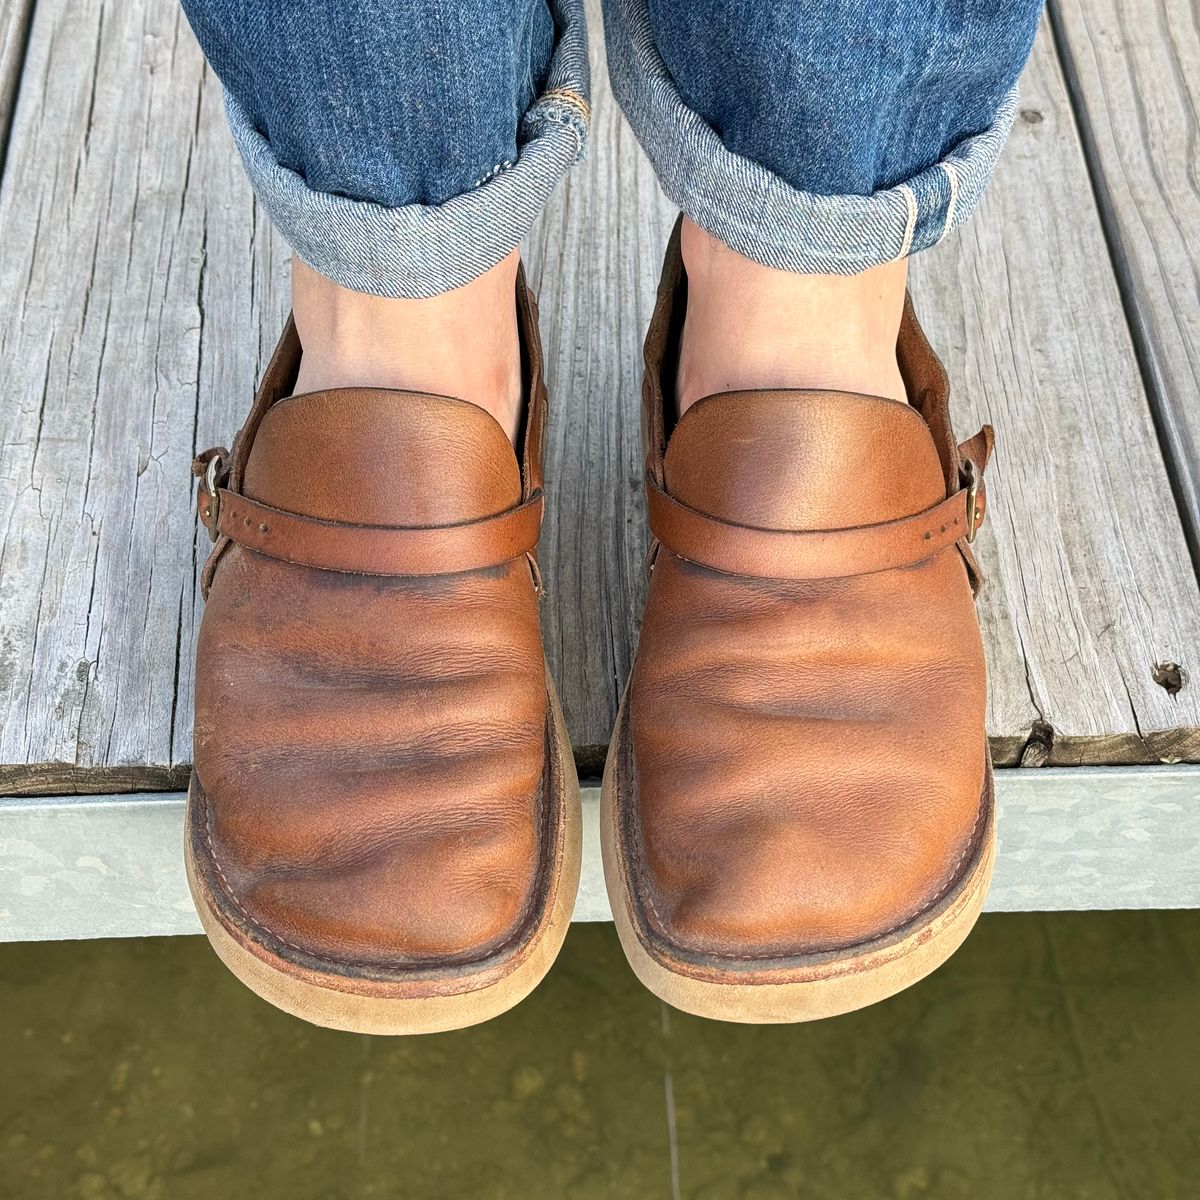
[{"x": 140, "y": 289}]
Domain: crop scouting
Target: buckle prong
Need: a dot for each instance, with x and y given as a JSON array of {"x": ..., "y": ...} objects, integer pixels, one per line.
[
  {"x": 212, "y": 471},
  {"x": 974, "y": 519}
]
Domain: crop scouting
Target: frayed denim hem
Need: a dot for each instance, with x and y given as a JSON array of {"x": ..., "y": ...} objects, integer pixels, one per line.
[
  {"x": 754, "y": 211},
  {"x": 416, "y": 251}
]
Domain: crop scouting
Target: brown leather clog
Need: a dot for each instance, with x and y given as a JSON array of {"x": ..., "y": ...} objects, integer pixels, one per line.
[
  {"x": 797, "y": 812},
  {"x": 383, "y": 829}
]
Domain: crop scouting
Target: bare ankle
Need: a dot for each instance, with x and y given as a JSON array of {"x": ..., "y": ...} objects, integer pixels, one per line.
[
  {"x": 462, "y": 343},
  {"x": 750, "y": 327}
]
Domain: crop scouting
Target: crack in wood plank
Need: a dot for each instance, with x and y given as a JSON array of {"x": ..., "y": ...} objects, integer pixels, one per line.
[{"x": 16, "y": 19}]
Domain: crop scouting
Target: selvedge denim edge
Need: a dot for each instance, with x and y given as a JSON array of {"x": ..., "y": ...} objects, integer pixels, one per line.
[
  {"x": 416, "y": 251},
  {"x": 757, "y": 213}
]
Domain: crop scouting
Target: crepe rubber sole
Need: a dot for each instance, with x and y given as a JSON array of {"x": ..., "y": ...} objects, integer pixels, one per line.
[
  {"x": 465, "y": 997},
  {"x": 822, "y": 985}
]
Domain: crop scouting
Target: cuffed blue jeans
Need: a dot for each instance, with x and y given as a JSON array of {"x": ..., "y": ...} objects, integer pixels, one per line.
[{"x": 404, "y": 147}]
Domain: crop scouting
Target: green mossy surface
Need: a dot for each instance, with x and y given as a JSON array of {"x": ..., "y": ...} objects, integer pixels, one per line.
[{"x": 1057, "y": 1056}]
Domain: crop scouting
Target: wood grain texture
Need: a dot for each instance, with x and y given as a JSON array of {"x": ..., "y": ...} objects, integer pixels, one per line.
[
  {"x": 1080, "y": 838},
  {"x": 134, "y": 274},
  {"x": 595, "y": 258},
  {"x": 140, "y": 290},
  {"x": 1135, "y": 69},
  {"x": 1091, "y": 587},
  {"x": 14, "y": 30}
]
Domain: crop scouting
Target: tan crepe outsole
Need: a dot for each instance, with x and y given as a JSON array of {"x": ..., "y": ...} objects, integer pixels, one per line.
[
  {"x": 357, "y": 1013},
  {"x": 835, "y": 984}
]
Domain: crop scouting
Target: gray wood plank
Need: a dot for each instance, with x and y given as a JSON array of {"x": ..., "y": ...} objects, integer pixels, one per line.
[
  {"x": 1091, "y": 591},
  {"x": 134, "y": 272},
  {"x": 1077, "y": 838},
  {"x": 141, "y": 290},
  {"x": 14, "y": 29},
  {"x": 1135, "y": 70},
  {"x": 595, "y": 258}
]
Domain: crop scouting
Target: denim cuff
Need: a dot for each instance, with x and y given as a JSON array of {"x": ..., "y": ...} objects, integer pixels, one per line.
[
  {"x": 416, "y": 250},
  {"x": 758, "y": 214}
]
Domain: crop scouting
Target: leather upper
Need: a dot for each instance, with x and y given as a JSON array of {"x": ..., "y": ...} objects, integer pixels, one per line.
[
  {"x": 804, "y": 754},
  {"x": 371, "y": 710}
]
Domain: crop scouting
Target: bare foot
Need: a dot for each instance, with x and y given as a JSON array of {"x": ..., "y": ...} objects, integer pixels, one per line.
[
  {"x": 749, "y": 326},
  {"x": 462, "y": 343}
]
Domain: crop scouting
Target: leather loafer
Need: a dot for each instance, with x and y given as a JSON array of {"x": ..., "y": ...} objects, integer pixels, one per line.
[
  {"x": 797, "y": 814},
  {"x": 383, "y": 828}
]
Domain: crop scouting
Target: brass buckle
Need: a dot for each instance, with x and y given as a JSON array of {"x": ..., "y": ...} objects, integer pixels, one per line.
[
  {"x": 212, "y": 471},
  {"x": 974, "y": 518}
]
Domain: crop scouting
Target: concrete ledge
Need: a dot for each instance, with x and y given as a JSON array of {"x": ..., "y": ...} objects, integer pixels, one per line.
[{"x": 1070, "y": 838}]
